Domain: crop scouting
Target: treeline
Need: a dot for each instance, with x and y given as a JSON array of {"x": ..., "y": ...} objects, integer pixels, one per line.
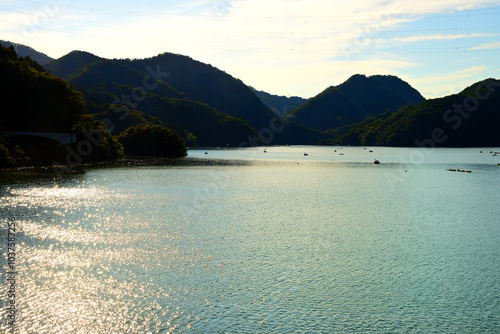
[
  {"x": 38, "y": 100},
  {"x": 42, "y": 102},
  {"x": 467, "y": 119},
  {"x": 205, "y": 105},
  {"x": 355, "y": 100},
  {"x": 157, "y": 106}
]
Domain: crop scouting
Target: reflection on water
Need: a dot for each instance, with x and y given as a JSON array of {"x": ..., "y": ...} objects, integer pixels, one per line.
[{"x": 225, "y": 242}]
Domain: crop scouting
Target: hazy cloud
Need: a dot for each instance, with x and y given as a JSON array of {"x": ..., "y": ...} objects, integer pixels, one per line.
[
  {"x": 436, "y": 37},
  {"x": 487, "y": 46},
  {"x": 295, "y": 47}
]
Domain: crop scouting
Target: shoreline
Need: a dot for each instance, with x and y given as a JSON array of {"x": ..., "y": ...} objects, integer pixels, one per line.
[{"x": 137, "y": 161}]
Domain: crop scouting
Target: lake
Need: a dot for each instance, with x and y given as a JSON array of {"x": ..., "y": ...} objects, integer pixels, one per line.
[{"x": 242, "y": 241}]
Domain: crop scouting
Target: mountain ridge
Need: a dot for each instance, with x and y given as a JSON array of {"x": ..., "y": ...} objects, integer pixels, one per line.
[
  {"x": 194, "y": 96},
  {"x": 64, "y": 66},
  {"x": 185, "y": 78},
  {"x": 280, "y": 105},
  {"x": 23, "y": 51},
  {"x": 356, "y": 99},
  {"x": 469, "y": 118}
]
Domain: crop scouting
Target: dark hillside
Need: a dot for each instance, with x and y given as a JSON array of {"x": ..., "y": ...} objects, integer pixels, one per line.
[
  {"x": 355, "y": 100},
  {"x": 467, "y": 119}
]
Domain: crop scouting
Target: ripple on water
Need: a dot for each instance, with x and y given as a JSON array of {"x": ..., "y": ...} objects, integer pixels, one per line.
[{"x": 270, "y": 247}]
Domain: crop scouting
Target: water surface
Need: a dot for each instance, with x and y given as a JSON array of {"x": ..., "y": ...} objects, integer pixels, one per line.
[{"x": 242, "y": 241}]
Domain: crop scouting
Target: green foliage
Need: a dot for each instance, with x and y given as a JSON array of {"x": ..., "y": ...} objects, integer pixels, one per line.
[
  {"x": 210, "y": 127},
  {"x": 121, "y": 80},
  {"x": 195, "y": 99},
  {"x": 42, "y": 101},
  {"x": 12, "y": 156},
  {"x": 207, "y": 84},
  {"x": 152, "y": 140},
  {"x": 109, "y": 148},
  {"x": 73, "y": 61},
  {"x": 448, "y": 116},
  {"x": 355, "y": 100},
  {"x": 191, "y": 139},
  {"x": 109, "y": 97},
  {"x": 195, "y": 122},
  {"x": 5, "y": 159},
  {"x": 45, "y": 103}
]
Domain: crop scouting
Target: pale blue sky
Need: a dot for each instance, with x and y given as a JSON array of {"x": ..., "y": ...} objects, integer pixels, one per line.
[{"x": 286, "y": 47}]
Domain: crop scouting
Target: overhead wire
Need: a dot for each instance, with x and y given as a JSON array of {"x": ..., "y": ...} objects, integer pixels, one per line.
[
  {"x": 455, "y": 13},
  {"x": 298, "y": 36}
]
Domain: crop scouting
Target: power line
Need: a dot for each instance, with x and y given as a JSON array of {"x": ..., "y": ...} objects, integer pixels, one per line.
[
  {"x": 293, "y": 18},
  {"x": 266, "y": 34},
  {"x": 280, "y": 50},
  {"x": 296, "y": 36}
]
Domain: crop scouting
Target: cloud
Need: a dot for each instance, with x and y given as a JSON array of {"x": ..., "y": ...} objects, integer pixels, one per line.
[
  {"x": 487, "y": 46},
  {"x": 204, "y": 7},
  {"x": 284, "y": 46},
  {"x": 429, "y": 7},
  {"x": 311, "y": 78},
  {"x": 438, "y": 85},
  {"x": 437, "y": 37}
]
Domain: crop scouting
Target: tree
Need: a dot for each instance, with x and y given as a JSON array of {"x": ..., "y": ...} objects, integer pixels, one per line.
[{"x": 152, "y": 140}]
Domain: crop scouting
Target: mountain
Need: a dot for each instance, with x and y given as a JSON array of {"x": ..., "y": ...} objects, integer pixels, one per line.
[
  {"x": 182, "y": 93},
  {"x": 124, "y": 97},
  {"x": 43, "y": 103},
  {"x": 207, "y": 84},
  {"x": 281, "y": 105},
  {"x": 467, "y": 119},
  {"x": 355, "y": 100},
  {"x": 73, "y": 61},
  {"x": 23, "y": 51},
  {"x": 113, "y": 74}
]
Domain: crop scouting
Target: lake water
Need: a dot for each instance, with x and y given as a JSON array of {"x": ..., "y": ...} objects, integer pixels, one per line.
[{"x": 242, "y": 241}]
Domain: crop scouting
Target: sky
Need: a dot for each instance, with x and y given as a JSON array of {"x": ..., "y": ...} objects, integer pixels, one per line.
[{"x": 284, "y": 47}]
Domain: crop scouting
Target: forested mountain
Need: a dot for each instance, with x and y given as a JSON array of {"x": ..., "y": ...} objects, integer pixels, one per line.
[
  {"x": 207, "y": 106},
  {"x": 355, "y": 100},
  {"x": 125, "y": 97},
  {"x": 281, "y": 105},
  {"x": 40, "y": 101},
  {"x": 194, "y": 98},
  {"x": 70, "y": 63},
  {"x": 470, "y": 118},
  {"x": 111, "y": 75},
  {"x": 37, "y": 101},
  {"x": 23, "y": 51}
]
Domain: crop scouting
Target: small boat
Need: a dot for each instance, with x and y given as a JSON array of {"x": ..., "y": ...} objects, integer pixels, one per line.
[
  {"x": 265, "y": 151},
  {"x": 206, "y": 152},
  {"x": 370, "y": 151},
  {"x": 498, "y": 164},
  {"x": 341, "y": 153},
  {"x": 376, "y": 162},
  {"x": 305, "y": 154},
  {"x": 464, "y": 171},
  {"x": 451, "y": 170}
]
